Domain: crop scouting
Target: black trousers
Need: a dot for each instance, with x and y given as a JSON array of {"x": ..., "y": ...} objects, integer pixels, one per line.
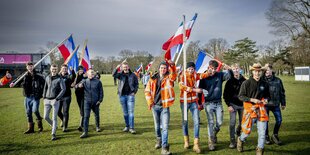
[
  {"x": 80, "y": 101},
  {"x": 63, "y": 112}
]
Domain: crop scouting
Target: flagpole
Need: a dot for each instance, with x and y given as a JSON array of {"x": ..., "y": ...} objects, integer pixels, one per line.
[
  {"x": 184, "y": 71},
  {"x": 51, "y": 51}
]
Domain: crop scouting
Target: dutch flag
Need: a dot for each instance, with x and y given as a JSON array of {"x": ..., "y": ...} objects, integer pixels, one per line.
[{"x": 66, "y": 49}]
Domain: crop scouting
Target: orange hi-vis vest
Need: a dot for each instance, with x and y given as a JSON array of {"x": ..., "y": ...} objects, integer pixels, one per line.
[
  {"x": 191, "y": 82},
  {"x": 4, "y": 80},
  {"x": 251, "y": 111},
  {"x": 166, "y": 92}
]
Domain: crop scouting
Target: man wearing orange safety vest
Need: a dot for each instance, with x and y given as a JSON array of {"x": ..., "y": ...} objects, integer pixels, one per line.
[
  {"x": 192, "y": 102},
  {"x": 254, "y": 93},
  {"x": 159, "y": 94}
]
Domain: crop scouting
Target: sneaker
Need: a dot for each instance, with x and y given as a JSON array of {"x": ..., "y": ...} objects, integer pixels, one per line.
[
  {"x": 158, "y": 143},
  {"x": 276, "y": 139},
  {"x": 165, "y": 151},
  {"x": 267, "y": 140},
  {"x": 126, "y": 129},
  {"x": 65, "y": 130},
  {"x": 232, "y": 144},
  {"x": 53, "y": 137},
  {"x": 98, "y": 129},
  {"x": 132, "y": 131},
  {"x": 80, "y": 128},
  {"x": 84, "y": 135}
]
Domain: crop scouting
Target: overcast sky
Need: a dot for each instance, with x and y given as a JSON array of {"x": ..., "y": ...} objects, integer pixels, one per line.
[{"x": 113, "y": 25}]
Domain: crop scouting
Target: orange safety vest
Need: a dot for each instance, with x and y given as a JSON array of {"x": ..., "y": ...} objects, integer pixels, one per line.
[
  {"x": 4, "y": 80},
  {"x": 252, "y": 111},
  {"x": 191, "y": 82},
  {"x": 167, "y": 91}
]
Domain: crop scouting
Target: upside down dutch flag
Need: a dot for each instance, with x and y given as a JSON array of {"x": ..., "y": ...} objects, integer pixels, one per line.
[
  {"x": 86, "y": 60},
  {"x": 175, "y": 43},
  {"x": 203, "y": 60},
  {"x": 66, "y": 49}
]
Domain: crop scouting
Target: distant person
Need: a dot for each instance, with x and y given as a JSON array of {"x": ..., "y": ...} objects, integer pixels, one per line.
[
  {"x": 212, "y": 89},
  {"x": 5, "y": 79},
  {"x": 254, "y": 93},
  {"x": 54, "y": 89},
  {"x": 192, "y": 102},
  {"x": 235, "y": 106},
  {"x": 79, "y": 93},
  {"x": 64, "y": 103},
  {"x": 277, "y": 99},
  {"x": 32, "y": 85},
  {"x": 93, "y": 96},
  {"x": 159, "y": 94},
  {"x": 145, "y": 79},
  {"x": 127, "y": 89}
]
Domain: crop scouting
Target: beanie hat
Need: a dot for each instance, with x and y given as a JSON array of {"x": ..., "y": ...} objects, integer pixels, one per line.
[
  {"x": 81, "y": 68},
  {"x": 190, "y": 64}
]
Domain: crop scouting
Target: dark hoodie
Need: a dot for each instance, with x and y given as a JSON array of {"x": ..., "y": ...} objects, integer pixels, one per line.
[
  {"x": 132, "y": 82},
  {"x": 276, "y": 90},
  {"x": 231, "y": 91}
]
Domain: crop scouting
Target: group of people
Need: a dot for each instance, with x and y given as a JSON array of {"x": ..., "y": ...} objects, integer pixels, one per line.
[
  {"x": 251, "y": 99},
  {"x": 55, "y": 89}
]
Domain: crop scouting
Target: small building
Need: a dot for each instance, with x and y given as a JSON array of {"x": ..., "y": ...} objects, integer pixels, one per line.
[
  {"x": 15, "y": 63},
  {"x": 302, "y": 73}
]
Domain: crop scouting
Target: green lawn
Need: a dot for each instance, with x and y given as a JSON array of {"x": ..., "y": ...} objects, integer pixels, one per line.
[{"x": 294, "y": 132}]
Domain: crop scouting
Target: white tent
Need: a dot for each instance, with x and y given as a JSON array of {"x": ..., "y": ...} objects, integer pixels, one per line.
[{"x": 302, "y": 73}]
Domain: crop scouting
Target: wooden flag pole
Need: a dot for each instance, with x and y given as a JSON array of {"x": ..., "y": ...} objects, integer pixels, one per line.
[
  {"x": 35, "y": 65},
  {"x": 184, "y": 71},
  {"x": 71, "y": 55},
  {"x": 83, "y": 52}
]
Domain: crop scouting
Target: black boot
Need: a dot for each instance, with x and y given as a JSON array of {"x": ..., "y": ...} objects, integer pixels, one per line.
[
  {"x": 267, "y": 140},
  {"x": 30, "y": 128},
  {"x": 40, "y": 125}
]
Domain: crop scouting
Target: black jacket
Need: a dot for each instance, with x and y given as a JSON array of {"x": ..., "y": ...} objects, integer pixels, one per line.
[
  {"x": 68, "y": 79},
  {"x": 54, "y": 87},
  {"x": 79, "y": 91},
  {"x": 254, "y": 89},
  {"x": 93, "y": 91},
  {"x": 276, "y": 90},
  {"x": 33, "y": 85},
  {"x": 231, "y": 91},
  {"x": 132, "y": 80}
]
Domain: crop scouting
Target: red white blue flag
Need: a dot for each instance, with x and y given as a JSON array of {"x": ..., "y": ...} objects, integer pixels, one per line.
[
  {"x": 175, "y": 43},
  {"x": 202, "y": 62},
  {"x": 66, "y": 49},
  {"x": 86, "y": 60},
  {"x": 139, "y": 68},
  {"x": 148, "y": 66}
]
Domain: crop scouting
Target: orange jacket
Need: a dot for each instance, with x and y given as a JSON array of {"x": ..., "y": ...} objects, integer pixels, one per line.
[
  {"x": 191, "y": 82},
  {"x": 167, "y": 91},
  {"x": 252, "y": 111},
  {"x": 4, "y": 80}
]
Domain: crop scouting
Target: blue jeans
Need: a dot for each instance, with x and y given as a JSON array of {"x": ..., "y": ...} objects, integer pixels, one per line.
[
  {"x": 261, "y": 128},
  {"x": 214, "y": 110},
  {"x": 195, "y": 115},
  {"x": 128, "y": 106},
  {"x": 32, "y": 106},
  {"x": 238, "y": 110},
  {"x": 161, "y": 118},
  {"x": 88, "y": 106},
  {"x": 278, "y": 117}
]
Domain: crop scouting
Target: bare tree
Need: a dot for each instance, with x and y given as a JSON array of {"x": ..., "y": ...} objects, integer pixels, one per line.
[
  {"x": 290, "y": 18},
  {"x": 217, "y": 47}
]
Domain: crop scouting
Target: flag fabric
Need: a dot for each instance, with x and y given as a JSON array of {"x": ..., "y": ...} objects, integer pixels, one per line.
[
  {"x": 86, "y": 60},
  {"x": 65, "y": 49},
  {"x": 139, "y": 68},
  {"x": 202, "y": 61},
  {"x": 175, "y": 43},
  {"x": 148, "y": 66}
]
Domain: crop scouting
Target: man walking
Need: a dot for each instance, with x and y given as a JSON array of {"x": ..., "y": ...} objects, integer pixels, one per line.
[
  {"x": 235, "y": 106},
  {"x": 212, "y": 89},
  {"x": 159, "y": 94},
  {"x": 277, "y": 99},
  {"x": 79, "y": 93},
  {"x": 127, "y": 89},
  {"x": 254, "y": 93},
  {"x": 54, "y": 89},
  {"x": 32, "y": 84},
  {"x": 93, "y": 96},
  {"x": 64, "y": 103}
]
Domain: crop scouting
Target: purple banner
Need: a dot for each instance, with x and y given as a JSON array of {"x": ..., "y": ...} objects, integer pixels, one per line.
[{"x": 11, "y": 59}]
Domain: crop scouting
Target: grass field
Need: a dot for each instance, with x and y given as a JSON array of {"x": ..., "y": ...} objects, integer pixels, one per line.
[{"x": 295, "y": 130}]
